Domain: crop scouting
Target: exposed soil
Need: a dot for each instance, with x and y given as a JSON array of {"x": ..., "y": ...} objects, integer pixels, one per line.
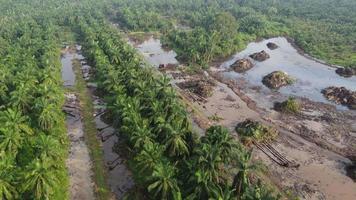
[
  {"x": 315, "y": 142},
  {"x": 78, "y": 162},
  {"x": 200, "y": 86},
  {"x": 320, "y": 141}
]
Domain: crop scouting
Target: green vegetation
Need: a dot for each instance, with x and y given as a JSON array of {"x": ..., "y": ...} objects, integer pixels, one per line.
[
  {"x": 207, "y": 30},
  {"x": 33, "y": 140},
  {"x": 291, "y": 106},
  {"x": 167, "y": 159},
  {"x": 251, "y": 131}
]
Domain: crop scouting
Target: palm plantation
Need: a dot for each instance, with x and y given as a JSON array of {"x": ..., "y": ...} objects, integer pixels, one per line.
[{"x": 167, "y": 158}]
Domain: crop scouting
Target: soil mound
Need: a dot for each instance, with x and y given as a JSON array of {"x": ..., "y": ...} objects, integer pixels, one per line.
[
  {"x": 242, "y": 65},
  {"x": 200, "y": 86},
  {"x": 260, "y": 56},
  {"x": 277, "y": 79}
]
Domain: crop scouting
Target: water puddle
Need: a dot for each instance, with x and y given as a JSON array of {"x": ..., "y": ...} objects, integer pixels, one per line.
[
  {"x": 68, "y": 75},
  {"x": 154, "y": 53},
  {"x": 311, "y": 76}
]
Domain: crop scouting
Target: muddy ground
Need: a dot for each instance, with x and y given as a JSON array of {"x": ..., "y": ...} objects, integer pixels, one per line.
[
  {"x": 320, "y": 140},
  {"x": 78, "y": 162}
]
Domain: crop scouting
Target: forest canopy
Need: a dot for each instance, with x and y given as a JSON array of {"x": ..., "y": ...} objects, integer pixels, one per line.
[{"x": 325, "y": 29}]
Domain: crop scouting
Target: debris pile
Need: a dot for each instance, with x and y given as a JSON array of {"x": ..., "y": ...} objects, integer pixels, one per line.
[
  {"x": 260, "y": 56},
  {"x": 340, "y": 95},
  {"x": 242, "y": 65},
  {"x": 201, "y": 87},
  {"x": 346, "y": 72}
]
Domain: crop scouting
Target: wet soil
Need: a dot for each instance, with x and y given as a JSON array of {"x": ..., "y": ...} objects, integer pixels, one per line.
[{"x": 321, "y": 140}]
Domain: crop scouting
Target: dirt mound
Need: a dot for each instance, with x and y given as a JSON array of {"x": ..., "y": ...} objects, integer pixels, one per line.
[
  {"x": 340, "y": 95},
  {"x": 199, "y": 86},
  {"x": 277, "y": 79},
  {"x": 346, "y": 72},
  {"x": 272, "y": 46},
  {"x": 242, "y": 65},
  {"x": 260, "y": 56}
]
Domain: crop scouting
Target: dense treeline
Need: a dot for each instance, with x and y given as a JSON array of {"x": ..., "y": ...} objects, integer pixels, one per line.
[
  {"x": 32, "y": 134},
  {"x": 33, "y": 138},
  {"x": 168, "y": 161},
  {"x": 324, "y": 29}
]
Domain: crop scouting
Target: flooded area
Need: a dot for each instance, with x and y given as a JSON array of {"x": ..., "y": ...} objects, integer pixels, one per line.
[
  {"x": 154, "y": 53},
  {"x": 315, "y": 140},
  {"x": 310, "y": 76}
]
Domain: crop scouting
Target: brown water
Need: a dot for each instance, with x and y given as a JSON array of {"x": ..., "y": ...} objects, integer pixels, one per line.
[{"x": 311, "y": 76}]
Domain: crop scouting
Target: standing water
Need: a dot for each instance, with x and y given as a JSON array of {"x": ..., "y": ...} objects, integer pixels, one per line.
[
  {"x": 154, "y": 53},
  {"x": 310, "y": 76}
]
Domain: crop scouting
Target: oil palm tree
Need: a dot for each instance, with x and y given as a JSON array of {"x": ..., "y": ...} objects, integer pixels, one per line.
[
  {"x": 149, "y": 157},
  {"x": 245, "y": 167},
  {"x": 48, "y": 147},
  {"x": 7, "y": 188},
  {"x": 40, "y": 179},
  {"x": 221, "y": 138},
  {"x": 141, "y": 135},
  {"x": 162, "y": 183}
]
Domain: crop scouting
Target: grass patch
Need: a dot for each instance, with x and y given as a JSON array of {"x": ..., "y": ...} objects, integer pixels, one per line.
[
  {"x": 291, "y": 106},
  {"x": 102, "y": 189},
  {"x": 215, "y": 117}
]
